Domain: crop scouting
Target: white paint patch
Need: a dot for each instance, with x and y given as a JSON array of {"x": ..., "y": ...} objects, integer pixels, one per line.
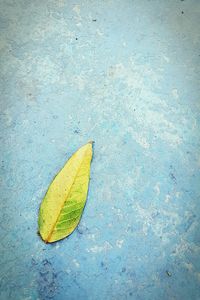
[
  {"x": 78, "y": 24},
  {"x": 175, "y": 94},
  {"x": 99, "y": 32},
  {"x": 141, "y": 140},
  {"x": 119, "y": 214},
  {"x": 189, "y": 266},
  {"x": 157, "y": 188},
  {"x": 8, "y": 118},
  {"x": 166, "y": 58},
  {"x": 97, "y": 249},
  {"x": 119, "y": 243},
  {"x": 116, "y": 281},
  {"x": 148, "y": 111},
  {"x": 61, "y": 3},
  {"x": 157, "y": 224},
  {"x": 77, "y": 9},
  {"x": 181, "y": 248},
  {"x": 172, "y": 138},
  {"x": 167, "y": 198},
  {"x": 132, "y": 78},
  {"x": 91, "y": 237},
  {"x": 42, "y": 30},
  {"x": 76, "y": 263}
]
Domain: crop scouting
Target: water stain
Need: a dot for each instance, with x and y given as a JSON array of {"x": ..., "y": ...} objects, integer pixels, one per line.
[{"x": 47, "y": 280}]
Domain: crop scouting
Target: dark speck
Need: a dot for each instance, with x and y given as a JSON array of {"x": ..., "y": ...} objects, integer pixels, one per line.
[
  {"x": 168, "y": 273},
  {"x": 173, "y": 178},
  {"x": 123, "y": 269},
  {"x": 132, "y": 274},
  {"x": 182, "y": 12},
  {"x": 77, "y": 131},
  {"x": 103, "y": 265},
  {"x": 33, "y": 262},
  {"x": 155, "y": 214},
  {"x": 76, "y": 39},
  {"x": 171, "y": 174},
  {"x": 82, "y": 229},
  {"x": 94, "y": 20}
]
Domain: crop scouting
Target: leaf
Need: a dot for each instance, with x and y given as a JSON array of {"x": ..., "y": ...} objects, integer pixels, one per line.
[{"x": 63, "y": 204}]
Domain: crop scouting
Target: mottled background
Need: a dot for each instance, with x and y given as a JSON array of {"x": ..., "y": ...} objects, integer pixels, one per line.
[{"x": 124, "y": 74}]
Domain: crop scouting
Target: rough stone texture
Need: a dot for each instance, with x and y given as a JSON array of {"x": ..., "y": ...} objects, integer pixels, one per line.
[{"x": 125, "y": 74}]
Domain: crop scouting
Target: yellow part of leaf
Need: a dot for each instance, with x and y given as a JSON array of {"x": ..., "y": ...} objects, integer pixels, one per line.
[{"x": 63, "y": 204}]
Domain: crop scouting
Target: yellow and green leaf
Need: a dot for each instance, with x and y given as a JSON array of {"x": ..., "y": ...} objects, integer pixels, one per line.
[{"x": 63, "y": 204}]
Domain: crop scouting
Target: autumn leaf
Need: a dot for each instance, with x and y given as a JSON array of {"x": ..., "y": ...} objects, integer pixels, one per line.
[{"x": 63, "y": 204}]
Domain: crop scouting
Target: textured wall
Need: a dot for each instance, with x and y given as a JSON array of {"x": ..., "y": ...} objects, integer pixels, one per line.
[{"x": 125, "y": 74}]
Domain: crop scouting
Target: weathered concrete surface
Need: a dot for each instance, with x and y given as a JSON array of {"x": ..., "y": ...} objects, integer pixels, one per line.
[{"x": 125, "y": 74}]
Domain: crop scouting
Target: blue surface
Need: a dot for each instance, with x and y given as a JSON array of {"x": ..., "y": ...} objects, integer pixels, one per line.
[{"x": 125, "y": 74}]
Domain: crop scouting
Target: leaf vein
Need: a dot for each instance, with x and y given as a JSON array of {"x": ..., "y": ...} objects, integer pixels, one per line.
[
  {"x": 66, "y": 221},
  {"x": 71, "y": 211}
]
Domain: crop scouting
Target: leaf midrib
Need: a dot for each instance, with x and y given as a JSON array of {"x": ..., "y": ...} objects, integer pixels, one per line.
[{"x": 53, "y": 227}]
